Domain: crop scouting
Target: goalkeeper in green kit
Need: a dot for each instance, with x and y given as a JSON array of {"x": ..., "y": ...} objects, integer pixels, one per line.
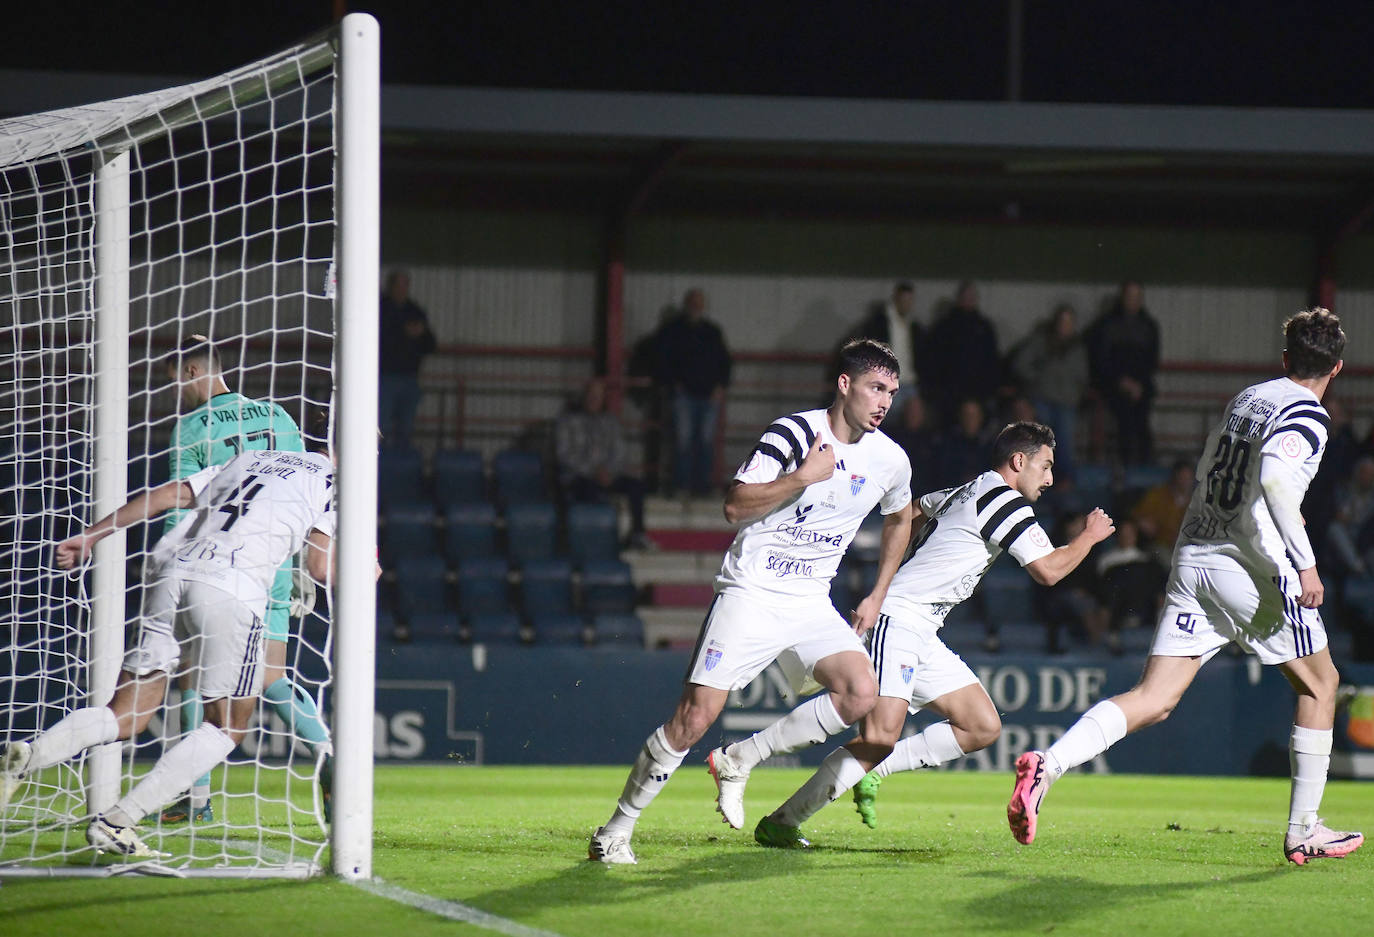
[{"x": 216, "y": 425}]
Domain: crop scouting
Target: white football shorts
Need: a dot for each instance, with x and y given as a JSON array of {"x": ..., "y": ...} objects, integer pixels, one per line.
[
  {"x": 220, "y": 638},
  {"x": 742, "y": 635},
  {"x": 1205, "y": 609},
  {"x": 914, "y": 665}
]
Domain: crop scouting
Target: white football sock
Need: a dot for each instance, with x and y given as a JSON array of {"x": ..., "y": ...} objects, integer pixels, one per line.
[
  {"x": 199, "y": 751},
  {"x": 813, "y": 721},
  {"x": 930, "y": 748},
  {"x": 1309, "y": 756},
  {"x": 72, "y": 735},
  {"x": 1096, "y": 730},
  {"x": 655, "y": 765},
  {"x": 838, "y": 773}
]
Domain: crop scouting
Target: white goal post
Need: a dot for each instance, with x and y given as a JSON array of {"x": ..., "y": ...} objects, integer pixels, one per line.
[{"x": 228, "y": 207}]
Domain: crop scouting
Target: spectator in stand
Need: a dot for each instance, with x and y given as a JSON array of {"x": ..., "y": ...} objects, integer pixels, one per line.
[
  {"x": 1350, "y": 535},
  {"x": 405, "y": 338},
  {"x": 694, "y": 369},
  {"x": 961, "y": 356},
  {"x": 1123, "y": 348},
  {"x": 591, "y": 458},
  {"x": 1132, "y": 583},
  {"x": 920, "y": 443},
  {"x": 1051, "y": 366},
  {"x": 894, "y": 324},
  {"x": 963, "y": 447},
  {"x": 1159, "y": 512},
  {"x": 1071, "y": 603},
  {"x": 1338, "y": 462}
]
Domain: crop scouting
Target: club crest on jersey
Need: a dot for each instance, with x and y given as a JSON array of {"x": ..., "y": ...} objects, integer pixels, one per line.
[
  {"x": 713, "y": 656},
  {"x": 908, "y": 672},
  {"x": 856, "y": 482}
]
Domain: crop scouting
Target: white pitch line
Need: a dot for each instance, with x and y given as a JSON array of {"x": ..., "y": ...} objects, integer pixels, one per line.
[{"x": 453, "y": 910}]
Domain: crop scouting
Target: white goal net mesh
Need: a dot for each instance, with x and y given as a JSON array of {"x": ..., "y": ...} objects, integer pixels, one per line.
[{"x": 231, "y": 235}]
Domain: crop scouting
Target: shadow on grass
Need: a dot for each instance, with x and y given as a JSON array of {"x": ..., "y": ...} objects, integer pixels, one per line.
[
  {"x": 1058, "y": 899},
  {"x": 64, "y": 898},
  {"x": 672, "y": 866}
]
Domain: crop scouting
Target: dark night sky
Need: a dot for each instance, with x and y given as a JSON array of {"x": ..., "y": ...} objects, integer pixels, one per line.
[{"x": 1259, "y": 53}]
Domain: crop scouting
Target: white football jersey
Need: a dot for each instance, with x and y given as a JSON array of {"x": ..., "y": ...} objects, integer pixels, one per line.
[
  {"x": 790, "y": 555},
  {"x": 966, "y": 529},
  {"x": 1279, "y": 426},
  {"x": 249, "y": 515}
]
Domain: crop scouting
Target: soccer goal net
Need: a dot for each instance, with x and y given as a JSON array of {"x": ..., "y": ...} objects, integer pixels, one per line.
[{"x": 227, "y": 208}]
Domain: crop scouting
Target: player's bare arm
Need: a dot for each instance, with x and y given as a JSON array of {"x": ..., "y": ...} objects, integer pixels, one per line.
[
  {"x": 175, "y": 494},
  {"x": 1055, "y": 566},
  {"x": 746, "y": 501},
  {"x": 896, "y": 536}
]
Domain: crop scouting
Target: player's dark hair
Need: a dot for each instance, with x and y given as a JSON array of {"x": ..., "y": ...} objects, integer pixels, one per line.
[
  {"x": 195, "y": 348},
  {"x": 904, "y": 286},
  {"x": 865, "y": 354},
  {"x": 1314, "y": 342},
  {"x": 1024, "y": 437}
]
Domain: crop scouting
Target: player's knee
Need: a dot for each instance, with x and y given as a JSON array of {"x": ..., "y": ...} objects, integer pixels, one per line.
[
  {"x": 981, "y": 731},
  {"x": 856, "y": 698}
]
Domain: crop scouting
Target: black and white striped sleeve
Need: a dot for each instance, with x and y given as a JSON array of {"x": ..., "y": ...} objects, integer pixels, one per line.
[
  {"x": 780, "y": 450},
  {"x": 1301, "y": 430},
  {"x": 1006, "y": 520}
]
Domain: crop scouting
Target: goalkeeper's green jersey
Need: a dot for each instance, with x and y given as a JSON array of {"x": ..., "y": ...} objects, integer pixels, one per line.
[{"x": 224, "y": 426}]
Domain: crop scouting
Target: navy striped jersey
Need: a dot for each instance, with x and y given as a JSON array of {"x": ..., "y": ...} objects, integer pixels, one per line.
[
  {"x": 1272, "y": 435},
  {"x": 966, "y": 529},
  {"x": 789, "y": 555}
]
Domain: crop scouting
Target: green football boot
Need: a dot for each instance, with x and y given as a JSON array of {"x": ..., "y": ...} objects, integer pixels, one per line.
[
  {"x": 866, "y": 799},
  {"x": 775, "y": 835}
]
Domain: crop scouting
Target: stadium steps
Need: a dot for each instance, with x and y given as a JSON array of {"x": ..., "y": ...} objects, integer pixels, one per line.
[{"x": 691, "y": 535}]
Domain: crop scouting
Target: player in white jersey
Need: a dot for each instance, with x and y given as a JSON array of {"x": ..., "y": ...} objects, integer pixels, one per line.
[
  {"x": 965, "y": 529},
  {"x": 1243, "y": 573},
  {"x": 800, "y": 496},
  {"x": 211, "y": 576}
]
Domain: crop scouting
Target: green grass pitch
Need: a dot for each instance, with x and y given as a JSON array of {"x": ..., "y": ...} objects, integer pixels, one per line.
[{"x": 1115, "y": 855}]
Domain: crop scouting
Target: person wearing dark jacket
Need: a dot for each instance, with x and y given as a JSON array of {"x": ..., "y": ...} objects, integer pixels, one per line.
[
  {"x": 1124, "y": 353},
  {"x": 404, "y": 340},
  {"x": 694, "y": 370}
]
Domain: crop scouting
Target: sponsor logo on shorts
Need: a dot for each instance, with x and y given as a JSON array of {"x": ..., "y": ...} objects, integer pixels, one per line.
[{"x": 908, "y": 672}]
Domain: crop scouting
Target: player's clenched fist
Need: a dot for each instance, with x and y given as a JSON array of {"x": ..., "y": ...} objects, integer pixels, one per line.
[
  {"x": 1099, "y": 525},
  {"x": 73, "y": 551},
  {"x": 819, "y": 463}
]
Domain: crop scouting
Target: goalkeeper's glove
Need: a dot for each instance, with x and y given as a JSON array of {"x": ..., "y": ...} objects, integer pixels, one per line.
[{"x": 302, "y": 592}]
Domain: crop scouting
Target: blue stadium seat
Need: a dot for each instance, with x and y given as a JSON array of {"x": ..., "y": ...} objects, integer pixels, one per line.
[
  {"x": 1140, "y": 477},
  {"x": 531, "y": 532},
  {"x": 401, "y": 478},
  {"x": 618, "y": 628},
  {"x": 386, "y": 625},
  {"x": 470, "y": 531},
  {"x": 459, "y": 477},
  {"x": 1006, "y": 593},
  {"x": 421, "y": 586},
  {"x": 566, "y": 628},
  {"x": 482, "y": 587},
  {"x": 407, "y": 533},
  {"x": 607, "y": 586},
  {"x": 433, "y": 627},
  {"x": 546, "y": 587},
  {"x": 493, "y": 628},
  {"x": 593, "y": 532},
  {"x": 518, "y": 476}
]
